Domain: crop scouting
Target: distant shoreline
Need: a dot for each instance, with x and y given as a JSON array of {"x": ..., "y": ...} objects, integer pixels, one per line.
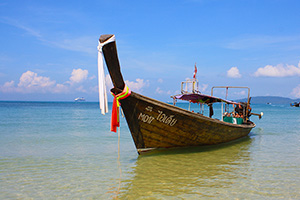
[
  {"x": 254, "y": 100},
  {"x": 271, "y": 100}
]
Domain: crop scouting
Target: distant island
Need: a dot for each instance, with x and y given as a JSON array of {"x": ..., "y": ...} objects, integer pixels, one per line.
[
  {"x": 270, "y": 100},
  {"x": 263, "y": 100}
]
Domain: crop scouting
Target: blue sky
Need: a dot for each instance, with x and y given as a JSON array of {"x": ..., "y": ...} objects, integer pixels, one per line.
[{"x": 49, "y": 48}]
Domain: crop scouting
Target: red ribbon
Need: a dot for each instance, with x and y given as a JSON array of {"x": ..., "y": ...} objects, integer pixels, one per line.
[{"x": 115, "y": 121}]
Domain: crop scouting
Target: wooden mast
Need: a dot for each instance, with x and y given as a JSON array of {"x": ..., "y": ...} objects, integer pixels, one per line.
[
  {"x": 128, "y": 104},
  {"x": 112, "y": 61}
]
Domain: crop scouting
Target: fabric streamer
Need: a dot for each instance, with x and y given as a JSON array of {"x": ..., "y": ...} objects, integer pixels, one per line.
[
  {"x": 101, "y": 77},
  {"x": 115, "y": 121}
]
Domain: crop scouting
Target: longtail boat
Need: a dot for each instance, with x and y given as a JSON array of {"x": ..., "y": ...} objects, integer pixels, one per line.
[{"x": 154, "y": 124}]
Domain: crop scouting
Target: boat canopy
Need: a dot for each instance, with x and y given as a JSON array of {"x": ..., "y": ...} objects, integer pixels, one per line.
[{"x": 201, "y": 98}]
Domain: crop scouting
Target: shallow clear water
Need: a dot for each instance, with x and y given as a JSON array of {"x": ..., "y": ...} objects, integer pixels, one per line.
[{"x": 66, "y": 151}]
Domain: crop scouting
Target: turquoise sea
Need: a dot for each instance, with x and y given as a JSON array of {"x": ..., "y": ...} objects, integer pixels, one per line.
[{"x": 65, "y": 150}]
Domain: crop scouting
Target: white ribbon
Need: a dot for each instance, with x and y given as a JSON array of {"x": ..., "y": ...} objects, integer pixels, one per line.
[{"x": 101, "y": 77}]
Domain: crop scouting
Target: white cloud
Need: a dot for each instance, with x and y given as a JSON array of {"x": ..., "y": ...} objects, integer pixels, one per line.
[
  {"x": 81, "y": 89},
  {"x": 60, "y": 88},
  {"x": 169, "y": 92},
  {"x": 189, "y": 87},
  {"x": 177, "y": 92},
  {"x": 9, "y": 84},
  {"x": 241, "y": 93},
  {"x": 296, "y": 91},
  {"x": 278, "y": 71},
  {"x": 138, "y": 85},
  {"x": 92, "y": 77},
  {"x": 159, "y": 91},
  {"x": 31, "y": 79},
  {"x": 94, "y": 89},
  {"x": 108, "y": 82},
  {"x": 203, "y": 87},
  {"x": 8, "y": 87},
  {"x": 234, "y": 72},
  {"x": 78, "y": 75},
  {"x": 31, "y": 82}
]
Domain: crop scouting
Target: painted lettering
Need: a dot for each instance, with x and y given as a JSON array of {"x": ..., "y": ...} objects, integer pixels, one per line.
[
  {"x": 149, "y": 108},
  {"x": 145, "y": 118},
  {"x": 162, "y": 117},
  {"x": 169, "y": 120}
]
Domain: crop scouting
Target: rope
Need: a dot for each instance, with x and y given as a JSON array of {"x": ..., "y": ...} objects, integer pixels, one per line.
[
  {"x": 120, "y": 169},
  {"x": 119, "y": 164},
  {"x": 115, "y": 121}
]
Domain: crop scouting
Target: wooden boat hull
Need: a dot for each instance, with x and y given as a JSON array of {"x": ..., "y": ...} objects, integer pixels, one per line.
[{"x": 154, "y": 124}]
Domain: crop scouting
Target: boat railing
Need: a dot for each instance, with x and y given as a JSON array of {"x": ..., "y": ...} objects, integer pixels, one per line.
[
  {"x": 235, "y": 87},
  {"x": 190, "y": 86},
  {"x": 227, "y": 87}
]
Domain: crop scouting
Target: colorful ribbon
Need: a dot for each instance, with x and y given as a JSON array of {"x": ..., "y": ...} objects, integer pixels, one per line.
[{"x": 115, "y": 121}]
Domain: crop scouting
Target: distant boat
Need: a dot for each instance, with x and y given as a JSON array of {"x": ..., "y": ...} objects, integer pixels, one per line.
[
  {"x": 295, "y": 104},
  {"x": 154, "y": 124},
  {"x": 79, "y": 99}
]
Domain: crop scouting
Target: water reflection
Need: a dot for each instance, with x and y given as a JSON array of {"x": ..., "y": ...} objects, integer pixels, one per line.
[{"x": 188, "y": 173}]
